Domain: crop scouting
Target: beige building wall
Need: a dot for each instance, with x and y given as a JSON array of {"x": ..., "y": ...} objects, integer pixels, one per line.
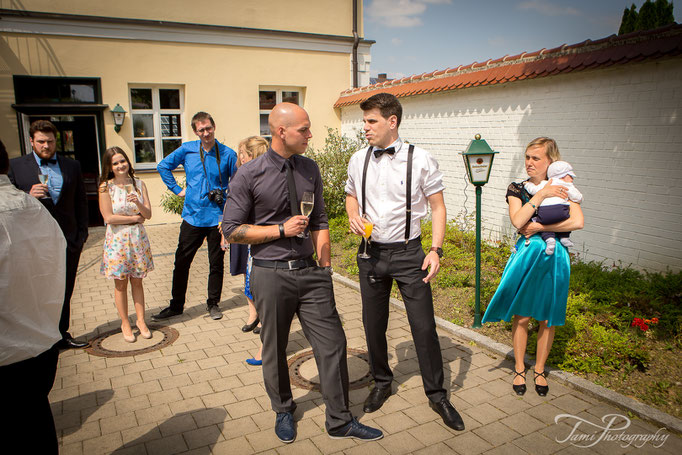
[
  {"x": 223, "y": 80},
  {"x": 329, "y": 17}
]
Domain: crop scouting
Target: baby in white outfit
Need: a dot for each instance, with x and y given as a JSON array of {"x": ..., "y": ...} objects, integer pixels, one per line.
[{"x": 555, "y": 209}]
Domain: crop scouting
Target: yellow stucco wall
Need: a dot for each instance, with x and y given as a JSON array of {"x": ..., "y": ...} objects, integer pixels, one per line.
[
  {"x": 223, "y": 80},
  {"x": 329, "y": 17}
]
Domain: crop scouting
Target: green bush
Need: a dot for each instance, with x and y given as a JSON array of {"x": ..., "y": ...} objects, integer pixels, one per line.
[
  {"x": 171, "y": 202},
  {"x": 333, "y": 162}
]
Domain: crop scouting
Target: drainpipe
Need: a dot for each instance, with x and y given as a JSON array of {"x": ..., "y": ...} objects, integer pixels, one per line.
[{"x": 356, "y": 41}]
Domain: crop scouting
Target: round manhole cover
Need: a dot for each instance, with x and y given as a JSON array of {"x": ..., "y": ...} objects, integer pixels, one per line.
[
  {"x": 303, "y": 370},
  {"x": 112, "y": 344}
]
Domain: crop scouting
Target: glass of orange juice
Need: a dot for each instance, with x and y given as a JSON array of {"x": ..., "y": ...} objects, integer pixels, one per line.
[{"x": 366, "y": 234}]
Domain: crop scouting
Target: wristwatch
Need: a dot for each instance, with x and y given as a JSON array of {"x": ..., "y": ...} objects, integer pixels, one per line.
[
  {"x": 438, "y": 250},
  {"x": 329, "y": 269}
]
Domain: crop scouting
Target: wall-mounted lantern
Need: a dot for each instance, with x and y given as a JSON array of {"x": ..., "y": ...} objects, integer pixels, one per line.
[{"x": 119, "y": 117}]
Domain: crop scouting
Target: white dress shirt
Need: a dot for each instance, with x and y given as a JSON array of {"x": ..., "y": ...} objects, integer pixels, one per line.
[
  {"x": 32, "y": 275},
  {"x": 385, "y": 187}
]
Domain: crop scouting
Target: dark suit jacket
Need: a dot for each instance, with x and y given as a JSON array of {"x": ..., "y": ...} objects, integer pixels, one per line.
[{"x": 71, "y": 211}]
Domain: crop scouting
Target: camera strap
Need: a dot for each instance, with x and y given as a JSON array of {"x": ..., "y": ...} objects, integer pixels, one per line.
[{"x": 217, "y": 157}]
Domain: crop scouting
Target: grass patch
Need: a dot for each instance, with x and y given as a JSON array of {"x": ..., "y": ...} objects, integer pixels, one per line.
[{"x": 598, "y": 341}]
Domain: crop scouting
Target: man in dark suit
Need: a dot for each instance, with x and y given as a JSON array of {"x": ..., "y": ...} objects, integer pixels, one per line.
[{"x": 64, "y": 197}]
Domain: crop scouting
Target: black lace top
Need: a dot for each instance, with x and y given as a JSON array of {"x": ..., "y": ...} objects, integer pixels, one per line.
[{"x": 519, "y": 191}]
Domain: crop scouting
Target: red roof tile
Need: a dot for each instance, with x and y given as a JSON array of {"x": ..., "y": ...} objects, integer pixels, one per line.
[{"x": 612, "y": 50}]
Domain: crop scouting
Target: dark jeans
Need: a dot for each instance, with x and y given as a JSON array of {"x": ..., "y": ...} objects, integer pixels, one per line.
[
  {"x": 28, "y": 417},
  {"x": 72, "y": 258},
  {"x": 402, "y": 263},
  {"x": 308, "y": 293},
  {"x": 189, "y": 241}
]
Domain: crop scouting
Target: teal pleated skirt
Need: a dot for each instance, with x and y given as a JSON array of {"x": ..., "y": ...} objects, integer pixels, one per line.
[{"x": 533, "y": 284}]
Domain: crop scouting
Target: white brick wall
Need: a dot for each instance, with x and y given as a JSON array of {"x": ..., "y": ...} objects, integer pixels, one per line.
[{"x": 620, "y": 128}]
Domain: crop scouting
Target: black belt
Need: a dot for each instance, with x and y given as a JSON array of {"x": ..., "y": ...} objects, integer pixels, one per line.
[
  {"x": 395, "y": 245},
  {"x": 296, "y": 264}
]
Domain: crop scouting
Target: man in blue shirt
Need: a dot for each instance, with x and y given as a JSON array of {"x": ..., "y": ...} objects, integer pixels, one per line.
[{"x": 207, "y": 175}]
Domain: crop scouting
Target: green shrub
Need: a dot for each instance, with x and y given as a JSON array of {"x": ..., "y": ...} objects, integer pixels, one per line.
[
  {"x": 333, "y": 162},
  {"x": 171, "y": 202}
]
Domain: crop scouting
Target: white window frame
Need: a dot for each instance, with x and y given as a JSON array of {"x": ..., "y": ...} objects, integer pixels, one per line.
[
  {"x": 278, "y": 89},
  {"x": 156, "y": 112}
]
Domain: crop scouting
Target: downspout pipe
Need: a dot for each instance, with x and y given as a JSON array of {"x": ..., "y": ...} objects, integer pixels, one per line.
[{"x": 356, "y": 42}]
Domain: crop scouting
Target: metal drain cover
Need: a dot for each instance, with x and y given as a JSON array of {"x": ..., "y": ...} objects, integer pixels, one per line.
[
  {"x": 304, "y": 374},
  {"x": 112, "y": 344}
]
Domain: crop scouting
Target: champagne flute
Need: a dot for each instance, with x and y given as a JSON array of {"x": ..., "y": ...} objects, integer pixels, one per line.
[
  {"x": 369, "y": 226},
  {"x": 128, "y": 187},
  {"x": 307, "y": 204},
  {"x": 44, "y": 178}
]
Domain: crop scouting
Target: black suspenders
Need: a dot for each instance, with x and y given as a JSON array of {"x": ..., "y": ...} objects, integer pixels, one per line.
[{"x": 408, "y": 190}]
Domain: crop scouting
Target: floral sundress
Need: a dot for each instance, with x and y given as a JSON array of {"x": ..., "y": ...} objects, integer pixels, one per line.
[{"x": 126, "y": 251}]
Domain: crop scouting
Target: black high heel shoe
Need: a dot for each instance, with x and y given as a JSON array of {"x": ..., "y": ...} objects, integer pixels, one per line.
[
  {"x": 250, "y": 327},
  {"x": 521, "y": 388},
  {"x": 541, "y": 389}
]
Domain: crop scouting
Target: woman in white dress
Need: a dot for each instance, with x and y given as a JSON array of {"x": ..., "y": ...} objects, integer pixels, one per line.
[{"x": 126, "y": 256}]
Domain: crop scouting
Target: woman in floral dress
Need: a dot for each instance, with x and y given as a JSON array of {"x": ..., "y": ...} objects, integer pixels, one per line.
[{"x": 127, "y": 256}]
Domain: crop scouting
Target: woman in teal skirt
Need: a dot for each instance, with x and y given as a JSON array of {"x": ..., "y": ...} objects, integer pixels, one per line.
[{"x": 534, "y": 284}]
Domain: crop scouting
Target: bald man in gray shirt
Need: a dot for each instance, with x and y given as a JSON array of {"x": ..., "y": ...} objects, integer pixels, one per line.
[{"x": 262, "y": 210}]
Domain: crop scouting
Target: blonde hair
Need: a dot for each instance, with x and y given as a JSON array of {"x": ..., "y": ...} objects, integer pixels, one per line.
[
  {"x": 551, "y": 149},
  {"x": 254, "y": 146}
]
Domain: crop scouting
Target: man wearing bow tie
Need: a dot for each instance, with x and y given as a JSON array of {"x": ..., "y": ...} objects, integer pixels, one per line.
[
  {"x": 392, "y": 184},
  {"x": 64, "y": 197}
]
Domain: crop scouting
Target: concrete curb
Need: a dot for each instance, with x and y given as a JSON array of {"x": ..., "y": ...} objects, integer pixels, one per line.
[{"x": 643, "y": 411}]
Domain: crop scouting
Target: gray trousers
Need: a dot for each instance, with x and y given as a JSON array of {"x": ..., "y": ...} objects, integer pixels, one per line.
[{"x": 278, "y": 295}]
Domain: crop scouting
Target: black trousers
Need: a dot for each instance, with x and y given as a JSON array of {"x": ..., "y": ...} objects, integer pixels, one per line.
[
  {"x": 28, "y": 416},
  {"x": 278, "y": 295},
  {"x": 72, "y": 258},
  {"x": 402, "y": 263},
  {"x": 189, "y": 241}
]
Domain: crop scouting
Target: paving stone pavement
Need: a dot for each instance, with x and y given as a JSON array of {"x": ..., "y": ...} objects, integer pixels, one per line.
[{"x": 198, "y": 396}]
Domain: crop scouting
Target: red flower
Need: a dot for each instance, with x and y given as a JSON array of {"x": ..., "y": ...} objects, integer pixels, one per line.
[
  {"x": 654, "y": 320},
  {"x": 644, "y": 327}
]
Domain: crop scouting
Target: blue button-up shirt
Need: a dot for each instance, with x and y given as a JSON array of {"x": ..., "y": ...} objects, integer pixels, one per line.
[
  {"x": 55, "y": 179},
  {"x": 199, "y": 211}
]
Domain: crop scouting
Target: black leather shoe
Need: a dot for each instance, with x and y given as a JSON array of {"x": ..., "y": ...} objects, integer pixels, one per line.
[
  {"x": 376, "y": 398},
  {"x": 165, "y": 314},
  {"x": 257, "y": 330},
  {"x": 449, "y": 414},
  {"x": 72, "y": 343},
  {"x": 250, "y": 327},
  {"x": 521, "y": 388},
  {"x": 214, "y": 312},
  {"x": 542, "y": 390}
]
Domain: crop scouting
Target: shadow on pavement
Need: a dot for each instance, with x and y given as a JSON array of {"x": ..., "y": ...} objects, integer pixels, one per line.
[
  {"x": 175, "y": 435},
  {"x": 76, "y": 410}
]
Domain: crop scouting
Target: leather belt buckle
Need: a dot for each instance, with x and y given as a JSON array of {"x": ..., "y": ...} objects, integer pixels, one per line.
[{"x": 292, "y": 264}]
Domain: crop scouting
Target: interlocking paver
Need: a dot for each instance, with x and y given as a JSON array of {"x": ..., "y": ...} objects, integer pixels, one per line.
[
  {"x": 431, "y": 433},
  {"x": 468, "y": 443},
  {"x": 400, "y": 443},
  {"x": 496, "y": 433},
  {"x": 198, "y": 396}
]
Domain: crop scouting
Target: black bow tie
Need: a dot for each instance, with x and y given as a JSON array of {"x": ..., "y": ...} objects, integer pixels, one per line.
[
  {"x": 44, "y": 162},
  {"x": 390, "y": 151}
]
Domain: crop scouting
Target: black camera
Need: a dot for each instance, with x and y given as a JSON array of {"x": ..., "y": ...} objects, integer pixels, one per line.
[{"x": 217, "y": 196}]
